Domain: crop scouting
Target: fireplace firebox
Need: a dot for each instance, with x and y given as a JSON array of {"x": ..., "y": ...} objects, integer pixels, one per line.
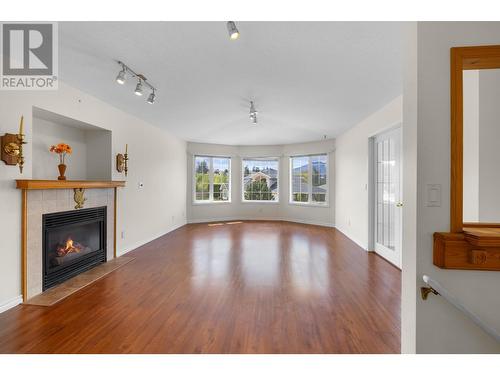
[{"x": 73, "y": 242}]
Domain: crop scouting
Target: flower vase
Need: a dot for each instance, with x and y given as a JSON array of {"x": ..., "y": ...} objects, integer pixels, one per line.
[{"x": 62, "y": 171}]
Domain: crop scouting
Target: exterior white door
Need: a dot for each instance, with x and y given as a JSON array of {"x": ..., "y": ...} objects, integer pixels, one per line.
[{"x": 387, "y": 189}]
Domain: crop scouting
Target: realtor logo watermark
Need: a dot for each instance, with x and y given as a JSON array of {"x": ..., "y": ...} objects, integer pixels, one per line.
[{"x": 29, "y": 56}]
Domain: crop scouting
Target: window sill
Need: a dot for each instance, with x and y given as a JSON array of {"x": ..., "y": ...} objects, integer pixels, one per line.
[
  {"x": 204, "y": 203},
  {"x": 306, "y": 204},
  {"x": 260, "y": 202}
]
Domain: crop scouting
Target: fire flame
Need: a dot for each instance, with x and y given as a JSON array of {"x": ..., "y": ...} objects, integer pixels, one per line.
[{"x": 70, "y": 247}]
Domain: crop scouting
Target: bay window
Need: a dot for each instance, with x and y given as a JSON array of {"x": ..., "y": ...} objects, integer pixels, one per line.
[
  {"x": 309, "y": 179},
  {"x": 212, "y": 179},
  {"x": 260, "y": 180}
]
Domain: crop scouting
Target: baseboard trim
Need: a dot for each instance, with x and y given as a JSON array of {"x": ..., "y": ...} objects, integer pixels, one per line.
[
  {"x": 356, "y": 241},
  {"x": 9, "y": 304},
  {"x": 237, "y": 218},
  {"x": 230, "y": 218},
  {"x": 144, "y": 242},
  {"x": 310, "y": 222}
]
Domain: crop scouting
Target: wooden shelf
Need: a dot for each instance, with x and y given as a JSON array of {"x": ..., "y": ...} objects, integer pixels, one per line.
[
  {"x": 472, "y": 249},
  {"x": 67, "y": 184}
]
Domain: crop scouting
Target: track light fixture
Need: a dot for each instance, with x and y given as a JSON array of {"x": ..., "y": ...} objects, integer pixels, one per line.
[
  {"x": 151, "y": 97},
  {"x": 141, "y": 82},
  {"x": 253, "y": 113},
  {"x": 232, "y": 30},
  {"x": 138, "y": 88},
  {"x": 120, "y": 78}
]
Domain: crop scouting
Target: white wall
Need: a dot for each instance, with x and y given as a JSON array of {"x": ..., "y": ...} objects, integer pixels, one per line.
[
  {"x": 440, "y": 328},
  {"x": 323, "y": 215},
  {"x": 156, "y": 158},
  {"x": 99, "y": 154},
  {"x": 352, "y": 166},
  {"x": 91, "y": 156}
]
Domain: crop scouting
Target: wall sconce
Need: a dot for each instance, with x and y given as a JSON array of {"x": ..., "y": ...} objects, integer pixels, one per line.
[
  {"x": 12, "y": 147},
  {"x": 122, "y": 161}
]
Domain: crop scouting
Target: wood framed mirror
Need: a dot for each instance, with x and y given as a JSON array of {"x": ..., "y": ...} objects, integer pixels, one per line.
[{"x": 474, "y": 238}]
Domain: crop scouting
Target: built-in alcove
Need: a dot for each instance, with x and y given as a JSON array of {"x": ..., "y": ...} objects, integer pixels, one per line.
[{"x": 92, "y": 147}]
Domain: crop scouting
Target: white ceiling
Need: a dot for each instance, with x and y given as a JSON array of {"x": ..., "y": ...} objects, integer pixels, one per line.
[{"x": 308, "y": 79}]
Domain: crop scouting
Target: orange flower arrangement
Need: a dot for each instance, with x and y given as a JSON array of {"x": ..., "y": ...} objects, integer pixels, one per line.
[{"x": 62, "y": 149}]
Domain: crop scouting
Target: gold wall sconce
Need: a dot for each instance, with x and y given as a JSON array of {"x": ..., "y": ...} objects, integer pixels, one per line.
[
  {"x": 122, "y": 161},
  {"x": 12, "y": 147}
]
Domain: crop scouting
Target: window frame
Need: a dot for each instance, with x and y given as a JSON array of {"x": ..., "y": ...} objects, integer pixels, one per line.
[
  {"x": 310, "y": 202},
  {"x": 270, "y": 158},
  {"x": 210, "y": 180}
]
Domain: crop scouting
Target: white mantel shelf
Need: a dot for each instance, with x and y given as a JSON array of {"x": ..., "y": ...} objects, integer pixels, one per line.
[{"x": 67, "y": 184}]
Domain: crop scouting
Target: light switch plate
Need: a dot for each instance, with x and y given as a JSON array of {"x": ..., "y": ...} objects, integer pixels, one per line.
[{"x": 433, "y": 195}]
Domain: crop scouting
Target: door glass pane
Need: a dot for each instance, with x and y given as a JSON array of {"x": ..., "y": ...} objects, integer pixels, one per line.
[{"x": 385, "y": 192}]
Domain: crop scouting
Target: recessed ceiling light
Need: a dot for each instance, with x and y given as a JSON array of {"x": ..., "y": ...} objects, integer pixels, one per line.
[{"x": 232, "y": 30}]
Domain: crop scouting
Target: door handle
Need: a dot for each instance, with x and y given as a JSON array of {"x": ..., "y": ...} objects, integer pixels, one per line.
[{"x": 399, "y": 204}]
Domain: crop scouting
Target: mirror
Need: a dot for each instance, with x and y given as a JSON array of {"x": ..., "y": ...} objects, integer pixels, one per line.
[
  {"x": 473, "y": 242},
  {"x": 475, "y": 131},
  {"x": 481, "y": 146}
]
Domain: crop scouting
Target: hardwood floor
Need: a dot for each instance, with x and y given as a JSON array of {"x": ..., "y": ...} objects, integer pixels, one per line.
[{"x": 252, "y": 287}]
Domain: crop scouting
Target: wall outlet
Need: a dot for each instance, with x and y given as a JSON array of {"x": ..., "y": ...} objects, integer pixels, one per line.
[{"x": 122, "y": 234}]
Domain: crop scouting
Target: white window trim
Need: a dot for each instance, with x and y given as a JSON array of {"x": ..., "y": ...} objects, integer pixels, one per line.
[
  {"x": 310, "y": 202},
  {"x": 210, "y": 181},
  {"x": 243, "y": 200}
]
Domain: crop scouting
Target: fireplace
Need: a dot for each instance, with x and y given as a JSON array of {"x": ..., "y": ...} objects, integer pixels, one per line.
[{"x": 73, "y": 242}]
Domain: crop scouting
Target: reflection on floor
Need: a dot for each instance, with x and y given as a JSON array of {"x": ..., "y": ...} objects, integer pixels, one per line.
[{"x": 240, "y": 287}]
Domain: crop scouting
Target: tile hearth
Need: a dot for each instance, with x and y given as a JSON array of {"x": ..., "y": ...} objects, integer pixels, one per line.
[{"x": 61, "y": 291}]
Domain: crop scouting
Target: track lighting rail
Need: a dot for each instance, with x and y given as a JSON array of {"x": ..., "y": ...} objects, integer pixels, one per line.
[
  {"x": 133, "y": 74},
  {"x": 142, "y": 81}
]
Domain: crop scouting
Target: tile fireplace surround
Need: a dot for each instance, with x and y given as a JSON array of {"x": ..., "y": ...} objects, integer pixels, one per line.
[
  {"x": 58, "y": 200},
  {"x": 39, "y": 201}
]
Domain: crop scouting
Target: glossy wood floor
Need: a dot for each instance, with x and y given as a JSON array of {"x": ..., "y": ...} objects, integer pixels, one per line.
[{"x": 253, "y": 287}]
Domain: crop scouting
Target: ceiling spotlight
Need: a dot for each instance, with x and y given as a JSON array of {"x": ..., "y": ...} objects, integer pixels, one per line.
[
  {"x": 138, "y": 88},
  {"x": 151, "y": 98},
  {"x": 232, "y": 30},
  {"x": 120, "y": 78}
]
